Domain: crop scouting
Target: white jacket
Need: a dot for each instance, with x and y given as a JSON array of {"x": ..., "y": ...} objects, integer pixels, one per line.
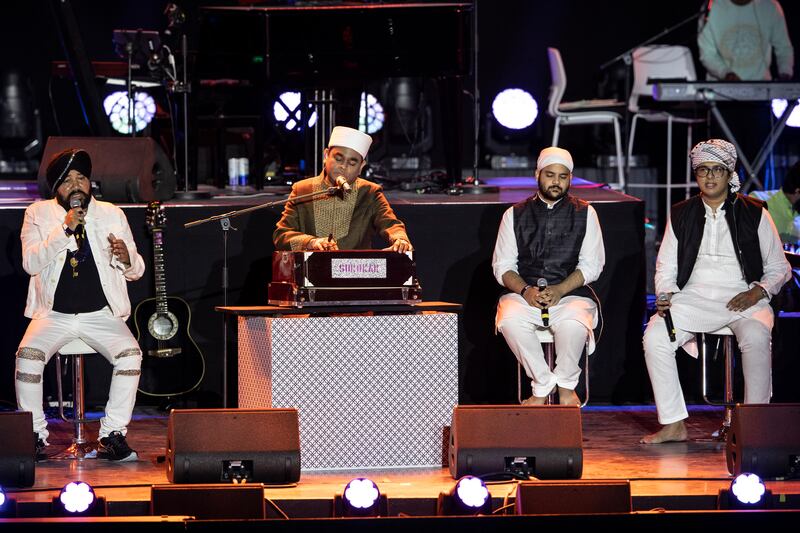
[{"x": 45, "y": 245}]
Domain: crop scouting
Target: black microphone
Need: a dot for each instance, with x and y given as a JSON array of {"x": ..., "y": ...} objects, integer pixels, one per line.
[
  {"x": 75, "y": 202},
  {"x": 668, "y": 317},
  {"x": 342, "y": 184},
  {"x": 541, "y": 284}
]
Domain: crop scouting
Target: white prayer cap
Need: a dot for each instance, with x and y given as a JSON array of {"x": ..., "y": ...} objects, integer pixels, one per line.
[
  {"x": 554, "y": 155},
  {"x": 350, "y": 138}
]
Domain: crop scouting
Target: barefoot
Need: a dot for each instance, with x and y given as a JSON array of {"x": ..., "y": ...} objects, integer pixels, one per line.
[
  {"x": 568, "y": 397},
  {"x": 535, "y": 400},
  {"x": 675, "y": 432}
]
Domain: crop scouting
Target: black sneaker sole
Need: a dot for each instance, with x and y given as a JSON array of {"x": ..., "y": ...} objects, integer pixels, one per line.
[{"x": 133, "y": 456}]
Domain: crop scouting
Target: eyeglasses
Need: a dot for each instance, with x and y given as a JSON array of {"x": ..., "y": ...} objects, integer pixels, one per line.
[{"x": 716, "y": 172}]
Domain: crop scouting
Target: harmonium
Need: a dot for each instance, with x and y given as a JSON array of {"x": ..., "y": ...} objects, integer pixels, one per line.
[{"x": 344, "y": 277}]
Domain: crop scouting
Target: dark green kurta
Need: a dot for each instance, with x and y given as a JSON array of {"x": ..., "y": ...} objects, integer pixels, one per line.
[{"x": 353, "y": 218}]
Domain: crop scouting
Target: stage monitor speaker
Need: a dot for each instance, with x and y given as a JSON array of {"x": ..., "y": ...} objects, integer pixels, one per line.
[
  {"x": 542, "y": 441},
  {"x": 764, "y": 439},
  {"x": 209, "y": 502},
  {"x": 227, "y": 445},
  {"x": 17, "y": 450},
  {"x": 124, "y": 169},
  {"x": 573, "y": 497}
]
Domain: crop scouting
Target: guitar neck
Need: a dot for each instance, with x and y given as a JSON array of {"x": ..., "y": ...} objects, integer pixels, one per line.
[{"x": 159, "y": 269}]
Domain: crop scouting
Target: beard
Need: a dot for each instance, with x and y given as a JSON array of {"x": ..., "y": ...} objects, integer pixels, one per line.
[
  {"x": 553, "y": 193},
  {"x": 82, "y": 196}
]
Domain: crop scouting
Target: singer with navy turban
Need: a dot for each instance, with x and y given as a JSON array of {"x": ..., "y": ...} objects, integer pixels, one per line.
[
  {"x": 348, "y": 219},
  {"x": 80, "y": 255},
  {"x": 549, "y": 248}
]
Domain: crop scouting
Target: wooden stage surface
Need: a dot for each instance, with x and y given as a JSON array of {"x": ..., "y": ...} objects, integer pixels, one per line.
[{"x": 675, "y": 476}]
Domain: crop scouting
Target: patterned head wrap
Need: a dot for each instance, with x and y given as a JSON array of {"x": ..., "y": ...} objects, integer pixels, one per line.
[{"x": 717, "y": 151}]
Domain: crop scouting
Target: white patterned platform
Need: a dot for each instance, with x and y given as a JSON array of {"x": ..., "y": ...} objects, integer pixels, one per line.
[{"x": 372, "y": 391}]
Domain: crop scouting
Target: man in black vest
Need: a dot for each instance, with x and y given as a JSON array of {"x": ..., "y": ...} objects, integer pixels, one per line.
[
  {"x": 720, "y": 261},
  {"x": 549, "y": 248}
]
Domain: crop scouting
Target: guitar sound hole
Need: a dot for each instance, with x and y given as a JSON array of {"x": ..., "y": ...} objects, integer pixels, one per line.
[{"x": 163, "y": 327}]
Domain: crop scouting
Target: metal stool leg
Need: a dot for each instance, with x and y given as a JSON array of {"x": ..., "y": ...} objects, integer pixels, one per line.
[
  {"x": 550, "y": 357},
  {"x": 728, "y": 402},
  {"x": 585, "y": 377},
  {"x": 80, "y": 447}
]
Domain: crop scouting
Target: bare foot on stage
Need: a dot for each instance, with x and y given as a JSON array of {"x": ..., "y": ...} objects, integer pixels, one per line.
[
  {"x": 535, "y": 400},
  {"x": 675, "y": 432},
  {"x": 568, "y": 397}
]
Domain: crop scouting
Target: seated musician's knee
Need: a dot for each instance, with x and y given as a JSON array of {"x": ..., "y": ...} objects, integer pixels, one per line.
[
  {"x": 30, "y": 365},
  {"x": 128, "y": 362}
]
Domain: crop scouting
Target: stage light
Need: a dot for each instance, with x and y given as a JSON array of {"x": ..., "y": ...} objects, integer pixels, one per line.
[
  {"x": 77, "y": 497},
  {"x": 779, "y": 106},
  {"x": 287, "y": 111},
  {"x": 748, "y": 488},
  {"x": 515, "y": 109},
  {"x": 116, "y": 107},
  {"x": 360, "y": 497},
  {"x": 8, "y": 506},
  {"x": 370, "y": 114},
  {"x": 469, "y": 496},
  {"x": 746, "y": 491}
]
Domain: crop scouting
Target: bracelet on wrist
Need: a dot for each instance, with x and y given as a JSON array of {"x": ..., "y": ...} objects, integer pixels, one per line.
[{"x": 525, "y": 288}]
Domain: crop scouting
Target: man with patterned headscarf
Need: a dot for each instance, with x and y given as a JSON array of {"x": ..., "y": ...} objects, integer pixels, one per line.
[
  {"x": 349, "y": 218},
  {"x": 549, "y": 248},
  {"x": 720, "y": 262},
  {"x": 80, "y": 255}
]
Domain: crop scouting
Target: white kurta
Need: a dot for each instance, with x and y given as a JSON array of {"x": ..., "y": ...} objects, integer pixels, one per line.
[
  {"x": 701, "y": 307},
  {"x": 571, "y": 320},
  {"x": 717, "y": 277}
]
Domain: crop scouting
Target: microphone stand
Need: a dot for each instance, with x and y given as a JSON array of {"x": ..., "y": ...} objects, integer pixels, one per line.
[{"x": 225, "y": 224}]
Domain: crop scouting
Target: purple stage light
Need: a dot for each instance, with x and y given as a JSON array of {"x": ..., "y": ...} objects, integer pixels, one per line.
[{"x": 77, "y": 496}]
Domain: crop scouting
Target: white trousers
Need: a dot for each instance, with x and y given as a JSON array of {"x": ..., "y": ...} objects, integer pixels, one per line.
[
  {"x": 754, "y": 340},
  {"x": 518, "y": 323},
  {"x": 108, "y": 335}
]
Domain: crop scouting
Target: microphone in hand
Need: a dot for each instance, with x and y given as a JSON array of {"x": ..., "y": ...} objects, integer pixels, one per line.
[
  {"x": 663, "y": 297},
  {"x": 342, "y": 184},
  {"x": 541, "y": 284},
  {"x": 74, "y": 203}
]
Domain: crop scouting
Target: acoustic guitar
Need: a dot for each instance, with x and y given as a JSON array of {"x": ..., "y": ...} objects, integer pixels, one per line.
[{"x": 172, "y": 364}]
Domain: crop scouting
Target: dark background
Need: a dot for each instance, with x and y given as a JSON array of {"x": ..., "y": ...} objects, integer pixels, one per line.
[{"x": 513, "y": 37}]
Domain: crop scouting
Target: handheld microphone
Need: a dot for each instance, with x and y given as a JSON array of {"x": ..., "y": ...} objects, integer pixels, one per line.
[
  {"x": 541, "y": 284},
  {"x": 342, "y": 184},
  {"x": 667, "y": 317},
  {"x": 75, "y": 202}
]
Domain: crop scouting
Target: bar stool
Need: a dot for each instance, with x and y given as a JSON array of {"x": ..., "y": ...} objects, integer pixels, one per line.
[
  {"x": 80, "y": 447},
  {"x": 728, "y": 402},
  {"x": 545, "y": 336}
]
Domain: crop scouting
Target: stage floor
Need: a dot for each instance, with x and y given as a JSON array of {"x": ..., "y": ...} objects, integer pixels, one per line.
[{"x": 675, "y": 476}]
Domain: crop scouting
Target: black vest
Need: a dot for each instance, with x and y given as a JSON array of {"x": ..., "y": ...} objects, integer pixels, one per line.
[
  {"x": 549, "y": 240},
  {"x": 743, "y": 216}
]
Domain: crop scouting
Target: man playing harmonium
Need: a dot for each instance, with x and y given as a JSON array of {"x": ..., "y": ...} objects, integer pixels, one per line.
[{"x": 348, "y": 219}]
